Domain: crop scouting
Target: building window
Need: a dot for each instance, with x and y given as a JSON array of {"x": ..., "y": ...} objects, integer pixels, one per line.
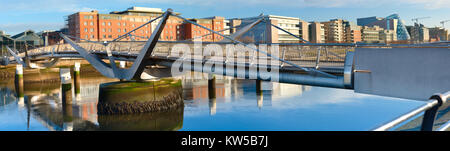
[
  {"x": 109, "y": 36},
  {"x": 109, "y": 23},
  {"x": 92, "y": 36},
  {"x": 85, "y": 23},
  {"x": 103, "y": 23},
  {"x": 86, "y": 37},
  {"x": 118, "y": 30},
  {"x": 110, "y": 30},
  {"x": 133, "y": 25},
  {"x": 92, "y": 23},
  {"x": 92, "y": 29},
  {"x": 124, "y": 24},
  {"x": 104, "y": 30},
  {"x": 104, "y": 36},
  {"x": 85, "y": 30},
  {"x": 124, "y": 30}
]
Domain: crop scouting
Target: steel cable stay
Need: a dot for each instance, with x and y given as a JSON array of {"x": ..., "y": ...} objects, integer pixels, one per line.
[
  {"x": 112, "y": 70},
  {"x": 310, "y": 71},
  {"x": 129, "y": 33},
  {"x": 211, "y": 33},
  {"x": 187, "y": 40},
  {"x": 106, "y": 43}
]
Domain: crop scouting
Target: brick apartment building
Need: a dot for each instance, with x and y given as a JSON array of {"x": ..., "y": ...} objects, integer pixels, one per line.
[
  {"x": 216, "y": 23},
  {"x": 105, "y": 27}
]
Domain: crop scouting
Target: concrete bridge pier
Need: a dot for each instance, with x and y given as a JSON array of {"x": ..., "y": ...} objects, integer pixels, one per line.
[
  {"x": 139, "y": 97},
  {"x": 212, "y": 94},
  {"x": 259, "y": 93},
  {"x": 66, "y": 95},
  {"x": 258, "y": 87},
  {"x": 211, "y": 86},
  {"x": 122, "y": 64},
  {"x": 76, "y": 79},
  {"x": 18, "y": 81},
  {"x": 212, "y": 106}
]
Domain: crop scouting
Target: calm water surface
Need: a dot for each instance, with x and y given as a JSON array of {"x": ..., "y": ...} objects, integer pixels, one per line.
[{"x": 237, "y": 106}]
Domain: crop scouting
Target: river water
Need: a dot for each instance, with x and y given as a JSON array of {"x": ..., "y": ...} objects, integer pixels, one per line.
[{"x": 237, "y": 106}]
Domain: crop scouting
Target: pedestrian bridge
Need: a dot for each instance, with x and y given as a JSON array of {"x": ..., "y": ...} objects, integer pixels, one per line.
[
  {"x": 369, "y": 68},
  {"x": 398, "y": 70}
]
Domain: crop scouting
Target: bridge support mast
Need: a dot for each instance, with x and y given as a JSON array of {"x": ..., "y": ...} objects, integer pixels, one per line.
[{"x": 111, "y": 70}]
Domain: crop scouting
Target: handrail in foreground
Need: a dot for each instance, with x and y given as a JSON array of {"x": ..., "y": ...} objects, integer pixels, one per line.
[{"x": 430, "y": 109}]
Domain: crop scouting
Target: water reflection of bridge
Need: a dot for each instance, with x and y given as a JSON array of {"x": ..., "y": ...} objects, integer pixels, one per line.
[
  {"x": 46, "y": 105},
  {"x": 228, "y": 89}
]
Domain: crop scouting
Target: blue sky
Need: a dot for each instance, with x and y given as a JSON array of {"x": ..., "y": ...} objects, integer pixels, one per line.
[{"x": 19, "y": 15}]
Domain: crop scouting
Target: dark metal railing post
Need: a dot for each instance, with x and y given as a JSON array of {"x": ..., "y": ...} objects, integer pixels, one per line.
[
  {"x": 430, "y": 114},
  {"x": 430, "y": 109},
  {"x": 428, "y": 119}
]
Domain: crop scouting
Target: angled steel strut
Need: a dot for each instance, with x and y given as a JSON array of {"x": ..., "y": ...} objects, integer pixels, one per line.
[
  {"x": 111, "y": 70},
  {"x": 16, "y": 57}
]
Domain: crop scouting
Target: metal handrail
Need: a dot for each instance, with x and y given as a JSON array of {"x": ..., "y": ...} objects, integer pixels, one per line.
[
  {"x": 430, "y": 109},
  {"x": 444, "y": 127}
]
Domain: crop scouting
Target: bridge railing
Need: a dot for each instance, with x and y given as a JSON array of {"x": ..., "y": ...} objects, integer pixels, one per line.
[
  {"x": 429, "y": 110},
  {"x": 317, "y": 56}
]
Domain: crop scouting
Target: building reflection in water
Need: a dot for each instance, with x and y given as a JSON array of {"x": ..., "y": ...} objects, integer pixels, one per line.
[
  {"x": 44, "y": 102},
  {"x": 228, "y": 89}
]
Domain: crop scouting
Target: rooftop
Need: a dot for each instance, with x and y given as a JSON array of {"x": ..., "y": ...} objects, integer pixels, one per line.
[{"x": 135, "y": 9}]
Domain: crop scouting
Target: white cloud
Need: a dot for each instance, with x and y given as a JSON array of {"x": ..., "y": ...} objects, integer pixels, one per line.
[
  {"x": 426, "y": 4},
  {"x": 43, "y": 6},
  {"x": 16, "y": 28}
]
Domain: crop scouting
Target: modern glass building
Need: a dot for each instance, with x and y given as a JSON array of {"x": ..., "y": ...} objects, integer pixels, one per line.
[
  {"x": 402, "y": 33},
  {"x": 392, "y": 22}
]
